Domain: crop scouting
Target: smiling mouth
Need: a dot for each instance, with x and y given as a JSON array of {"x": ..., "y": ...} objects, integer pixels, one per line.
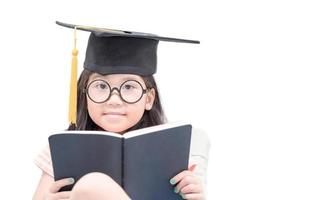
[{"x": 114, "y": 113}]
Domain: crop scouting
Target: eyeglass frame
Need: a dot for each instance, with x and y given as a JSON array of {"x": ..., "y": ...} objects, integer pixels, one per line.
[{"x": 144, "y": 91}]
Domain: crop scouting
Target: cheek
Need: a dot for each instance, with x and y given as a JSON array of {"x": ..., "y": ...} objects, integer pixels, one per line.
[
  {"x": 92, "y": 109},
  {"x": 136, "y": 111}
]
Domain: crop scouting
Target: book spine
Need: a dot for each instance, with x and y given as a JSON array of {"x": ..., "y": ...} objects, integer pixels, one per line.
[{"x": 122, "y": 163}]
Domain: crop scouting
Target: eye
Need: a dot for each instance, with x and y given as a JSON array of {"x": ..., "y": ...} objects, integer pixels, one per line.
[
  {"x": 99, "y": 85},
  {"x": 128, "y": 86},
  {"x": 102, "y": 86}
]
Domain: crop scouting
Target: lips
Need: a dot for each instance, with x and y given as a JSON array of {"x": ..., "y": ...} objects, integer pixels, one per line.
[{"x": 113, "y": 113}]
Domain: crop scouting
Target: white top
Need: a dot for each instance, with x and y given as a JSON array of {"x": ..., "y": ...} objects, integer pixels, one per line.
[{"x": 199, "y": 154}]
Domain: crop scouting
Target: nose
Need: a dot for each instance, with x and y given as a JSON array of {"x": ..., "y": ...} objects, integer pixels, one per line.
[{"x": 114, "y": 98}]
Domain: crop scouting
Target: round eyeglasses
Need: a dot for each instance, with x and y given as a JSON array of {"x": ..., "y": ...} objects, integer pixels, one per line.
[{"x": 130, "y": 91}]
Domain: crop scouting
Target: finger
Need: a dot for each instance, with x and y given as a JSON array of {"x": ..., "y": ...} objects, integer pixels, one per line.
[
  {"x": 192, "y": 167},
  {"x": 61, "y": 183},
  {"x": 187, "y": 180},
  {"x": 193, "y": 196},
  {"x": 191, "y": 188},
  {"x": 63, "y": 195},
  {"x": 180, "y": 176}
]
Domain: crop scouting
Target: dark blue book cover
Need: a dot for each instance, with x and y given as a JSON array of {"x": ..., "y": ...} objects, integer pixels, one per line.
[{"x": 141, "y": 161}]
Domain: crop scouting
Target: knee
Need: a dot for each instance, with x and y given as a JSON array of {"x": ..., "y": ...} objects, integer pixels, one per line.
[
  {"x": 93, "y": 186},
  {"x": 94, "y": 179}
]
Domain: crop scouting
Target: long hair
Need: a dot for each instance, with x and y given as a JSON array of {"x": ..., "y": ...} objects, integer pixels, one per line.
[{"x": 152, "y": 117}]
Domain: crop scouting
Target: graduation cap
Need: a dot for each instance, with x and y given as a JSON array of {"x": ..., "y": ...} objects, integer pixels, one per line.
[{"x": 111, "y": 51}]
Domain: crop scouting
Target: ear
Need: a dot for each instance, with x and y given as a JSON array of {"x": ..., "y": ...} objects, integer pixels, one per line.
[{"x": 151, "y": 95}]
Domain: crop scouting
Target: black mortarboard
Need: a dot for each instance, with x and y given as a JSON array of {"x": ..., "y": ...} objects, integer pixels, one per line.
[
  {"x": 112, "y": 51},
  {"x": 122, "y": 52}
]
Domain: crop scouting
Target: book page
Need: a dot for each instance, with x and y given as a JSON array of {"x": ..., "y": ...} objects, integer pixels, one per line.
[
  {"x": 91, "y": 132},
  {"x": 129, "y": 134},
  {"x": 153, "y": 129}
]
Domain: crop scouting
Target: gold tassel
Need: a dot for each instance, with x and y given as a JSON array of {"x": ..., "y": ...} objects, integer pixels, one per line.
[{"x": 73, "y": 85}]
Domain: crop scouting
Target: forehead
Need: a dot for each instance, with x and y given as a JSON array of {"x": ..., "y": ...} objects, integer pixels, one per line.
[{"x": 116, "y": 77}]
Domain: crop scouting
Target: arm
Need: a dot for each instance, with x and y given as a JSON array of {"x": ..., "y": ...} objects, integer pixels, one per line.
[
  {"x": 48, "y": 188},
  {"x": 44, "y": 184},
  {"x": 192, "y": 185},
  {"x": 199, "y": 154},
  {"x": 188, "y": 185}
]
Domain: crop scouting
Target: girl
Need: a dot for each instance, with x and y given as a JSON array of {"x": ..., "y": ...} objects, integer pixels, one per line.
[{"x": 117, "y": 93}]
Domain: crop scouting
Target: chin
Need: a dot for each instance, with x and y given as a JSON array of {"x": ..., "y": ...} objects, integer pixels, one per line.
[
  {"x": 119, "y": 130},
  {"x": 119, "y": 126}
]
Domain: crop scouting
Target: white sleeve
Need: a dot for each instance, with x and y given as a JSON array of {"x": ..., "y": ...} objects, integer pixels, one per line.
[
  {"x": 199, "y": 154},
  {"x": 44, "y": 162}
]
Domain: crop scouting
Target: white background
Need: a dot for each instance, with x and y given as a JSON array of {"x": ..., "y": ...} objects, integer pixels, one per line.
[{"x": 246, "y": 84}]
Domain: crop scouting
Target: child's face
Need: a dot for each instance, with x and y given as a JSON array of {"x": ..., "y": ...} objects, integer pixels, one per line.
[{"x": 115, "y": 115}]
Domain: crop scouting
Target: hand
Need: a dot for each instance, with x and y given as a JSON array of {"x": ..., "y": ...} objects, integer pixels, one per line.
[
  {"x": 53, "y": 193},
  {"x": 188, "y": 185}
]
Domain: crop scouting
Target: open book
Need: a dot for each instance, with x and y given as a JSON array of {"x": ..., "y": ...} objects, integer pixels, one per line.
[{"x": 141, "y": 161}]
